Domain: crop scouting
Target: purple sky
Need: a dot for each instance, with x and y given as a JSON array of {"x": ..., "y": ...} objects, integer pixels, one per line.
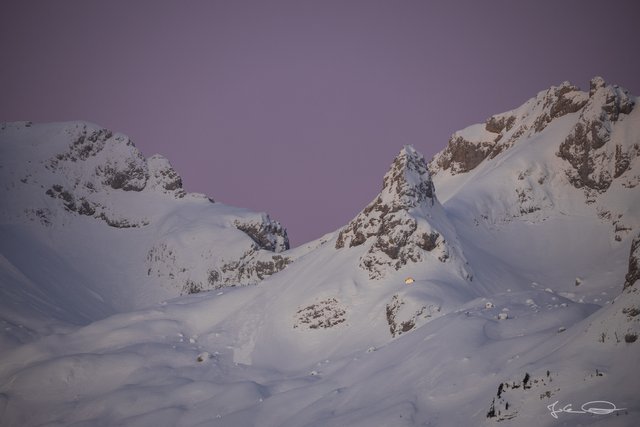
[{"x": 297, "y": 108}]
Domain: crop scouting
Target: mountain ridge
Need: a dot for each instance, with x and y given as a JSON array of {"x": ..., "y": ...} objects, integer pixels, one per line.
[{"x": 478, "y": 288}]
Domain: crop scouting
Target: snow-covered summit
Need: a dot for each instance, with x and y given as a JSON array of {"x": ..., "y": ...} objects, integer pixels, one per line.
[
  {"x": 65, "y": 182},
  {"x": 598, "y": 109},
  {"x": 469, "y": 147},
  {"x": 563, "y": 152},
  {"x": 404, "y": 224},
  {"x": 408, "y": 183}
]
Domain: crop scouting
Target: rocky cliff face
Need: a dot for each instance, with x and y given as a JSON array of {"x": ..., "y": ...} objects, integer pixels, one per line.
[
  {"x": 594, "y": 161},
  {"x": 396, "y": 228},
  {"x": 633, "y": 274}
]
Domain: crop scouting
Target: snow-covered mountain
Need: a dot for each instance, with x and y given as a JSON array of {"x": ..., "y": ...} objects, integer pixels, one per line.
[
  {"x": 561, "y": 141},
  {"x": 91, "y": 228},
  {"x": 497, "y": 283}
]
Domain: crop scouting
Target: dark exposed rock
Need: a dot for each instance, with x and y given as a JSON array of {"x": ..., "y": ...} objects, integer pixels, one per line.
[
  {"x": 496, "y": 124},
  {"x": 461, "y": 156},
  {"x": 631, "y": 311},
  {"x": 266, "y": 233},
  {"x": 86, "y": 208},
  {"x": 191, "y": 287},
  {"x": 429, "y": 241},
  {"x": 87, "y": 143},
  {"x": 622, "y": 162},
  {"x": 324, "y": 314},
  {"x": 594, "y": 166},
  {"x": 132, "y": 177},
  {"x": 633, "y": 273},
  {"x": 121, "y": 222},
  {"x": 213, "y": 277},
  {"x": 557, "y": 104},
  {"x": 402, "y": 322},
  {"x": 250, "y": 268},
  {"x": 68, "y": 201}
]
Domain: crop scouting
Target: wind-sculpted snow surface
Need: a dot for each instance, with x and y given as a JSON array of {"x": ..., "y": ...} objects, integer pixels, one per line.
[{"x": 499, "y": 288}]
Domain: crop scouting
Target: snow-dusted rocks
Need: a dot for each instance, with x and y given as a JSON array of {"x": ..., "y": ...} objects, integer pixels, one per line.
[
  {"x": 267, "y": 234},
  {"x": 163, "y": 178},
  {"x": 325, "y": 313},
  {"x": 404, "y": 224},
  {"x": 594, "y": 162},
  {"x": 404, "y": 314}
]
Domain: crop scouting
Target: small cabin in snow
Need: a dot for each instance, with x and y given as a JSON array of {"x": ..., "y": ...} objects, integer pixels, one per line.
[{"x": 408, "y": 280}]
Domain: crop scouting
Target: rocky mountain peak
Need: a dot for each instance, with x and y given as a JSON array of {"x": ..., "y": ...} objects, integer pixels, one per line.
[
  {"x": 91, "y": 163},
  {"x": 163, "y": 177},
  {"x": 408, "y": 182},
  {"x": 594, "y": 162},
  {"x": 596, "y": 83},
  {"x": 397, "y": 227}
]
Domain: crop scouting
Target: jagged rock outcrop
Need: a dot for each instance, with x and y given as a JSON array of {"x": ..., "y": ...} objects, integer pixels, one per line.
[
  {"x": 633, "y": 274},
  {"x": 594, "y": 163},
  {"x": 323, "y": 314},
  {"x": 396, "y": 227},
  {"x": 404, "y": 314},
  {"x": 163, "y": 178},
  {"x": 265, "y": 232}
]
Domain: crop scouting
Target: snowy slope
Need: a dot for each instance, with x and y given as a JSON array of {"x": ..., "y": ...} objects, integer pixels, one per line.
[{"x": 521, "y": 239}]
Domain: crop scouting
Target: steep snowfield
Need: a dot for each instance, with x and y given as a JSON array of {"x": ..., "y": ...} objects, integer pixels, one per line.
[{"x": 518, "y": 245}]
